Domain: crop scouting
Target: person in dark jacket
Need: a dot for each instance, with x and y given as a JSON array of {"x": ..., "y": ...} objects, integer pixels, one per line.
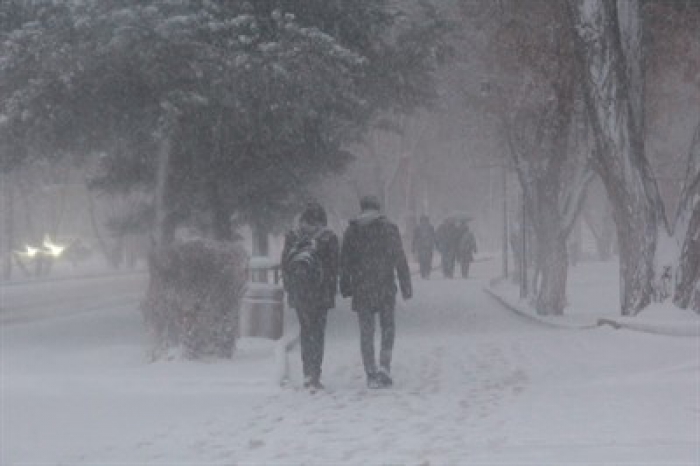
[
  {"x": 371, "y": 260},
  {"x": 312, "y": 311},
  {"x": 466, "y": 249},
  {"x": 423, "y": 245},
  {"x": 447, "y": 241}
]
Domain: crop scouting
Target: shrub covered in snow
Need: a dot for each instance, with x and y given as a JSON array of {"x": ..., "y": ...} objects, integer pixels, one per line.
[{"x": 193, "y": 297}]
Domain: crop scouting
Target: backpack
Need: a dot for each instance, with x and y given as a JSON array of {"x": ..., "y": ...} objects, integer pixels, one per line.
[{"x": 304, "y": 271}]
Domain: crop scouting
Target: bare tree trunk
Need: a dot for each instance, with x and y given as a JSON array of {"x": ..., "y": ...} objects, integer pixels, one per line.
[
  {"x": 163, "y": 232},
  {"x": 554, "y": 267},
  {"x": 687, "y": 294},
  {"x": 552, "y": 205},
  {"x": 31, "y": 235},
  {"x": 609, "y": 43},
  {"x": 553, "y": 223},
  {"x": 221, "y": 212},
  {"x": 261, "y": 239},
  {"x": 27, "y": 208},
  {"x": 221, "y": 216},
  {"x": 59, "y": 208},
  {"x": 574, "y": 244},
  {"x": 106, "y": 251},
  {"x": 687, "y": 228},
  {"x": 9, "y": 233}
]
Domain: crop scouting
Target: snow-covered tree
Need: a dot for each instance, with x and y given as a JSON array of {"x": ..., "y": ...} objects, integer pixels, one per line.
[
  {"x": 253, "y": 100},
  {"x": 687, "y": 230},
  {"x": 611, "y": 46},
  {"x": 533, "y": 92}
]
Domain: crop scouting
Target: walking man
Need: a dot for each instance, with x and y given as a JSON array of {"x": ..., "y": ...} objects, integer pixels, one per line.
[
  {"x": 447, "y": 241},
  {"x": 310, "y": 274},
  {"x": 467, "y": 248},
  {"x": 423, "y": 245},
  {"x": 371, "y": 260}
]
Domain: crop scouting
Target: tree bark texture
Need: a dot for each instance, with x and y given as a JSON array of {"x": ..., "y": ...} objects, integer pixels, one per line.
[
  {"x": 9, "y": 233},
  {"x": 551, "y": 202},
  {"x": 107, "y": 252},
  {"x": 221, "y": 215},
  {"x": 609, "y": 44},
  {"x": 261, "y": 239},
  {"x": 687, "y": 229},
  {"x": 163, "y": 234},
  {"x": 543, "y": 211},
  {"x": 553, "y": 266}
]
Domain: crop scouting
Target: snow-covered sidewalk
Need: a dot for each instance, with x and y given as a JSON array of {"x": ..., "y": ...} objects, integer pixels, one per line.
[
  {"x": 474, "y": 385},
  {"x": 594, "y": 298}
]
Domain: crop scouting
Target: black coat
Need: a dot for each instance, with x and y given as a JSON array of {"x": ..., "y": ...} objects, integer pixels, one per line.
[
  {"x": 327, "y": 242},
  {"x": 371, "y": 259},
  {"x": 423, "y": 240},
  {"x": 447, "y": 238},
  {"x": 467, "y": 245}
]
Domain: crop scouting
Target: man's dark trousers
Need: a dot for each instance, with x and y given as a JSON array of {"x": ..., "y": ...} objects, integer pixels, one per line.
[
  {"x": 426, "y": 264},
  {"x": 367, "y": 322},
  {"x": 448, "y": 264}
]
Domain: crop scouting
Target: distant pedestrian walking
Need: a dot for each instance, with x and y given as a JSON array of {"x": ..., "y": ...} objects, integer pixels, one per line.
[
  {"x": 466, "y": 248},
  {"x": 447, "y": 242},
  {"x": 310, "y": 275},
  {"x": 423, "y": 245},
  {"x": 371, "y": 260}
]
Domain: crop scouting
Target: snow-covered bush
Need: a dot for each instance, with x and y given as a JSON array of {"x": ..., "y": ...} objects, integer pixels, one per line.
[{"x": 193, "y": 297}]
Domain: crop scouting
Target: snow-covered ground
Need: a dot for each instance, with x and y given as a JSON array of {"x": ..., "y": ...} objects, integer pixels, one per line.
[{"x": 475, "y": 384}]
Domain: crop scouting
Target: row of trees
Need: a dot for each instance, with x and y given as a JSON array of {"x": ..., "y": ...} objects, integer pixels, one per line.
[
  {"x": 216, "y": 111},
  {"x": 216, "y": 114},
  {"x": 575, "y": 88},
  {"x": 221, "y": 110},
  {"x": 610, "y": 41}
]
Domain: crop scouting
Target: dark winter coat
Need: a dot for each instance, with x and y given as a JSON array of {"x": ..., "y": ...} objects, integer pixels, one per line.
[
  {"x": 447, "y": 238},
  {"x": 467, "y": 245},
  {"x": 423, "y": 240},
  {"x": 372, "y": 258},
  {"x": 327, "y": 242}
]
